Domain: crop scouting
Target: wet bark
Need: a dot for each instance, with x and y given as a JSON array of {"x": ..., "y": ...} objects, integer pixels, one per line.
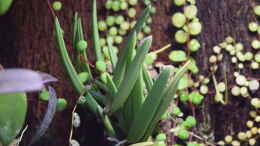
[{"x": 27, "y": 40}]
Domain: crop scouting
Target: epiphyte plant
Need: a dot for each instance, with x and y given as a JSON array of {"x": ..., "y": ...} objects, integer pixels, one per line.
[
  {"x": 4, "y": 6},
  {"x": 126, "y": 93},
  {"x": 13, "y": 90}
]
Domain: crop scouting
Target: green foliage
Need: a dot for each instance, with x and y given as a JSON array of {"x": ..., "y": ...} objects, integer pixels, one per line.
[{"x": 4, "y": 6}]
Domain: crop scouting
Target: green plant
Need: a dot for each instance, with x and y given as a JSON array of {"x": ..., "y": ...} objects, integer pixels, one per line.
[
  {"x": 120, "y": 94},
  {"x": 4, "y": 6}
]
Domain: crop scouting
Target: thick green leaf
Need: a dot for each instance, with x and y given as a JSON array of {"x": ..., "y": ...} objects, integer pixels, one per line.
[
  {"x": 112, "y": 54},
  {"x": 145, "y": 115},
  {"x": 4, "y": 6},
  {"x": 168, "y": 96},
  {"x": 13, "y": 108},
  {"x": 131, "y": 75},
  {"x": 147, "y": 79}
]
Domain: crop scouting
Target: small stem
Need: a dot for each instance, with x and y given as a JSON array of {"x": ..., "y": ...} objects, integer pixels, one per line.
[{"x": 162, "y": 49}]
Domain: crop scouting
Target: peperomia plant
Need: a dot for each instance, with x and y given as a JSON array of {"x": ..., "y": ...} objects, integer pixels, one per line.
[
  {"x": 124, "y": 91},
  {"x": 14, "y": 83}
]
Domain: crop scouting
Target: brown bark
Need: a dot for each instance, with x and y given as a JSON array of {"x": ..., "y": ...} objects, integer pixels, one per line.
[{"x": 27, "y": 40}]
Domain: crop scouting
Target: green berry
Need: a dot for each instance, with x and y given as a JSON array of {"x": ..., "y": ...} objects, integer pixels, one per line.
[
  {"x": 182, "y": 134},
  {"x": 253, "y": 26},
  {"x": 83, "y": 76},
  {"x": 82, "y": 45},
  {"x": 190, "y": 11},
  {"x": 248, "y": 56},
  {"x": 195, "y": 28},
  {"x": 178, "y": 19},
  {"x": 101, "y": 66},
  {"x": 125, "y": 25},
  {"x": 123, "y": 5},
  {"x": 103, "y": 77},
  {"x": 257, "y": 10},
  {"x": 257, "y": 58},
  {"x": 102, "y": 26},
  {"x": 61, "y": 104},
  {"x": 44, "y": 95},
  {"x": 131, "y": 12},
  {"x": 116, "y": 6},
  {"x": 153, "y": 10},
  {"x": 255, "y": 44},
  {"x": 102, "y": 42},
  {"x": 179, "y": 2},
  {"x": 178, "y": 56},
  {"x": 176, "y": 111},
  {"x": 147, "y": 29},
  {"x": 140, "y": 36},
  {"x": 57, "y": 5},
  {"x": 119, "y": 19},
  {"x": 193, "y": 66},
  {"x": 110, "y": 20},
  {"x": 189, "y": 122},
  {"x": 122, "y": 32},
  {"x": 181, "y": 36},
  {"x": 133, "y": 2},
  {"x": 194, "y": 45},
  {"x": 118, "y": 39},
  {"x": 184, "y": 97},
  {"x": 112, "y": 31},
  {"x": 161, "y": 137},
  {"x": 109, "y": 4},
  {"x": 196, "y": 97}
]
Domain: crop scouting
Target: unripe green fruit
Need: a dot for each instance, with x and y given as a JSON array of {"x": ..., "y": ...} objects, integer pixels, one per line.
[
  {"x": 196, "y": 97},
  {"x": 189, "y": 122},
  {"x": 116, "y": 6},
  {"x": 44, "y": 95},
  {"x": 82, "y": 45},
  {"x": 182, "y": 134},
  {"x": 194, "y": 45},
  {"x": 61, "y": 104},
  {"x": 190, "y": 11},
  {"x": 57, "y": 5},
  {"x": 195, "y": 28},
  {"x": 181, "y": 36},
  {"x": 131, "y": 12},
  {"x": 161, "y": 137},
  {"x": 178, "y": 19},
  {"x": 101, "y": 66},
  {"x": 177, "y": 56},
  {"x": 257, "y": 10},
  {"x": 83, "y": 77},
  {"x": 102, "y": 26},
  {"x": 179, "y": 2},
  {"x": 253, "y": 26}
]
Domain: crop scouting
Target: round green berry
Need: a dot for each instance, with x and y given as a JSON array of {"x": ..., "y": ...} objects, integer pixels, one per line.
[
  {"x": 184, "y": 97},
  {"x": 83, "y": 77},
  {"x": 179, "y": 2},
  {"x": 178, "y": 19},
  {"x": 119, "y": 19},
  {"x": 257, "y": 10},
  {"x": 133, "y": 2},
  {"x": 181, "y": 36},
  {"x": 131, "y": 12},
  {"x": 257, "y": 58},
  {"x": 161, "y": 137},
  {"x": 189, "y": 122},
  {"x": 177, "y": 56},
  {"x": 109, "y": 4},
  {"x": 190, "y": 11},
  {"x": 182, "y": 134},
  {"x": 147, "y": 29},
  {"x": 255, "y": 44},
  {"x": 101, "y": 66},
  {"x": 153, "y": 10},
  {"x": 112, "y": 31},
  {"x": 116, "y": 6},
  {"x": 125, "y": 25},
  {"x": 102, "y": 26},
  {"x": 110, "y": 20},
  {"x": 176, "y": 111},
  {"x": 82, "y": 45},
  {"x": 103, "y": 77},
  {"x": 196, "y": 97},
  {"x": 194, "y": 45},
  {"x": 57, "y": 5},
  {"x": 195, "y": 28},
  {"x": 61, "y": 104},
  {"x": 123, "y": 5},
  {"x": 252, "y": 26},
  {"x": 44, "y": 95},
  {"x": 118, "y": 39}
]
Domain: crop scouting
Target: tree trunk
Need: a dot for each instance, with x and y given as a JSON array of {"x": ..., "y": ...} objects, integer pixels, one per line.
[{"x": 27, "y": 40}]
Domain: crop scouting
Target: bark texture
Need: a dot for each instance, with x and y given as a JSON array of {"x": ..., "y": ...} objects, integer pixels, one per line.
[{"x": 27, "y": 40}]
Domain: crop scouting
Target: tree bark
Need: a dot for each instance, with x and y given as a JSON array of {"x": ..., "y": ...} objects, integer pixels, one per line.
[{"x": 27, "y": 40}]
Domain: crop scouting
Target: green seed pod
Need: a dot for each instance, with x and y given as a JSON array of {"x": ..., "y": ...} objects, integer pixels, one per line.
[
  {"x": 102, "y": 26},
  {"x": 190, "y": 11},
  {"x": 195, "y": 28},
  {"x": 178, "y": 19},
  {"x": 101, "y": 66},
  {"x": 82, "y": 45},
  {"x": 61, "y": 104},
  {"x": 4, "y": 6},
  {"x": 194, "y": 45},
  {"x": 44, "y": 95},
  {"x": 257, "y": 10},
  {"x": 181, "y": 36},
  {"x": 57, "y": 5}
]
